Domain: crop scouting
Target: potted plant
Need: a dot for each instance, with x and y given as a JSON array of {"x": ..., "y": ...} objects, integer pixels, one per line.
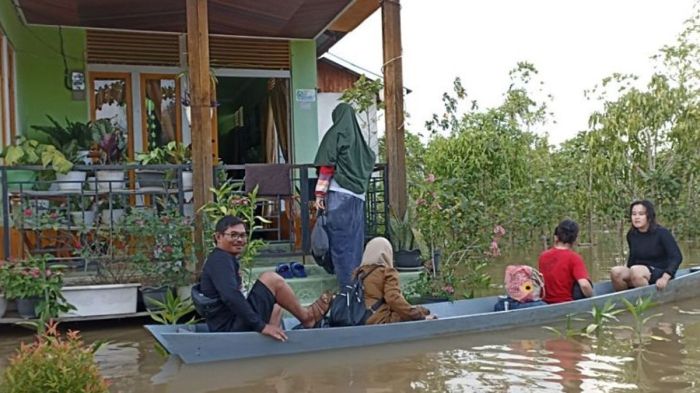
[
  {"x": 163, "y": 248},
  {"x": 35, "y": 287},
  {"x": 181, "y": 154},
  {"x": 111, "y": 145},
  {"x": 31, "y": 152},
  {"x": 82, "y": 211},
  {"x": 152, "y": 177},
  {"x": 113, "y": 289},
  {"x": 111, "y": 210},
  {"x": 406, "y": 240},
  {"x": 54, "y": 364},
  {"x": 74, "y": 140}
]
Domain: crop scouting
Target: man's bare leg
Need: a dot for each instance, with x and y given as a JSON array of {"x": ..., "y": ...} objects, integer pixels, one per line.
[{"x": 285, "y": 297}]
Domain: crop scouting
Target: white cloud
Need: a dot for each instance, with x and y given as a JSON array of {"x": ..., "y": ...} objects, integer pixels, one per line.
[{"x": 574, "y": 44}]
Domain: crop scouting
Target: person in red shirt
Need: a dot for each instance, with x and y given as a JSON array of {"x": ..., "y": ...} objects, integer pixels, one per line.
[{"x": 565, "y": 275}]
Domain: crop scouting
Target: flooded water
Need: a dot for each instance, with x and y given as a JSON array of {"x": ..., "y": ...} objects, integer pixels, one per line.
[{"x": 524, "y": 360}]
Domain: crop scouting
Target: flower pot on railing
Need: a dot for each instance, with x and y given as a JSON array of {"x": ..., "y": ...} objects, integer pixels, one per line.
[
  {"x": 112, "y": 216},
  {"x": 110, "y": 179},
  {"x": 86, "y": 218},
  {"x": 150, "y": 178},
  {"x": 187, "y": 184},
  {"x": 109, "y": 299},
  {"x": 20, "y": 178},
  {"x": 71, "y": 181}
]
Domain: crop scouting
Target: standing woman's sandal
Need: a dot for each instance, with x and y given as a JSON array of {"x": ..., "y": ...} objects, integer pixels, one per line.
[{"x": 320, "y": 307}]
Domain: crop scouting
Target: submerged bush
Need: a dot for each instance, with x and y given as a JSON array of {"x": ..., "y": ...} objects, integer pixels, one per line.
[{"x": 54, "y": 364}]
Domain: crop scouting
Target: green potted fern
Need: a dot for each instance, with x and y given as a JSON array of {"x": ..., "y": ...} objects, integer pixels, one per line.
[{"x": 406, "y": 240}]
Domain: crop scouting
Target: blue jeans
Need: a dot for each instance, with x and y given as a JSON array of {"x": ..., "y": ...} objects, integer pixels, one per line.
[{"x": 345, "y": 225}]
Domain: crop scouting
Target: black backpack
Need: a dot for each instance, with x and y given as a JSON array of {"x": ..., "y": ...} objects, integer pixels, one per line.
[{"x": 348, "y": 306}]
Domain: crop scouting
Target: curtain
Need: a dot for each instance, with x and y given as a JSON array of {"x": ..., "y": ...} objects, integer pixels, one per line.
[{"x": 276, "y": 124}]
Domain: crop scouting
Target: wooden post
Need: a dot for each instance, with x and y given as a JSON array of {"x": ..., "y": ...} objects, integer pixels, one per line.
[
  {"x": 200, "y": 102},
  {"x": 393, "y": 99}
]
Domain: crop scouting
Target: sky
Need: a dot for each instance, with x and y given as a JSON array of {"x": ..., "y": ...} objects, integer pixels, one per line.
[{"x": 574, "y": 44}]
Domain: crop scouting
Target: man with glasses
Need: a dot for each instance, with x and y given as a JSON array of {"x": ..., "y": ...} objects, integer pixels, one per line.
[{"x": 261, "y": 311}]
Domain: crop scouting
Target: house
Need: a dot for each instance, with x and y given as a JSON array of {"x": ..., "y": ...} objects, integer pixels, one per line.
[{"x": 127, "y": 60}]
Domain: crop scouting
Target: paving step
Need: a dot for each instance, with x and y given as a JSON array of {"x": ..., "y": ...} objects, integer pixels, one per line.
[{"x": 317, "y": 281}]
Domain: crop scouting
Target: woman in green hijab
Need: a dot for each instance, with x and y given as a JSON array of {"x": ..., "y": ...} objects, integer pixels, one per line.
[{"x": 345, "y": 165}]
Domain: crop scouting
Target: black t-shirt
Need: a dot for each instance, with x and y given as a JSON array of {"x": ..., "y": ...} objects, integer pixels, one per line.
[
  {"x": 656, "y": 248},
  {"x": 221, "y": 279}
]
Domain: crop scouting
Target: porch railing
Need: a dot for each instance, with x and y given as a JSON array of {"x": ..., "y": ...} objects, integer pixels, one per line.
[{"x": 42, "y": 215}]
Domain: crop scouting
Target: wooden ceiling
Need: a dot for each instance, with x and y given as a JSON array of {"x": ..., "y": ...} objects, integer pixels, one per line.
[{"x": 304, "y": 19}]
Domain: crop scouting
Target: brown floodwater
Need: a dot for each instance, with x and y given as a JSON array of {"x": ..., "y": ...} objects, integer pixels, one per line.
[{"x": 524, "y": 360}]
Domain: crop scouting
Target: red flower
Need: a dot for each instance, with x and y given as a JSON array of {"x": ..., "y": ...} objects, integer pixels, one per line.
[
  {"x": 28, "y": 212},
  {"x": 168, "y": 249}
]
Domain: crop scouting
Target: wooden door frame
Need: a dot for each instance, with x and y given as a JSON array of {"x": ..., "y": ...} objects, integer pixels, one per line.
[
  {"x": 126, "y": 76},
  {"x": 178, "y": 110}
]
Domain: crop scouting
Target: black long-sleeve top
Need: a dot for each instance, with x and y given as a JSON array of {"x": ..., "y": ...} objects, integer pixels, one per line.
[
  {"x": 656, "y": 248},
  {"x": 221, "y": 279}
]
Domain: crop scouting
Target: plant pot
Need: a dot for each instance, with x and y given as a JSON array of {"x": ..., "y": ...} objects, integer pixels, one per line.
[
  {"x": 184, "y": 292},
  {"x": 71, "y": 181},
  {"x": 110, "y": 299},
  {"x": 150, "y": 178},
  {"x": 187, "y": 185},
  {"x": 154, "y": 293},
  {"x": 84, "y": 156},
  {"x": 26, "y": 308},
  {"x": 86, "y": 218},
  {"x": 107, "y": 178},
  {"x": 407, "y": 259},
  {"x": 3, "y": 305},
  {"x": 113, "y": 216},
  {"x": 92, "y": 183},
  {"x": 20, "y": 178}
]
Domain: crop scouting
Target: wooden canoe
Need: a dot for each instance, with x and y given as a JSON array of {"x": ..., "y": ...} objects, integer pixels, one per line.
[{"x": 194, "y": 344}]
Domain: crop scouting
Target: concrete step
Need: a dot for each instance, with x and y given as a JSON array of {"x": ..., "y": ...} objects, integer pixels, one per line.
[{"x": 317, "y": 281}]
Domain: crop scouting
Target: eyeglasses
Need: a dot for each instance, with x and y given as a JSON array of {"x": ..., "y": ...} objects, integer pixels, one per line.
[{"x": 236, "y": 235}]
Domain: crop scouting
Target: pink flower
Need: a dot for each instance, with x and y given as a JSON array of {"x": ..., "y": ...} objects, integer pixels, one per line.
[
  {"x": 35, "y": 273},
  {"x": 499, "y": 231},
  {"x": 495, "y": 250},
  {"x": 421, "y": 202},
  {"x": 53, "y": 215},
  {"x": 448, "y": 289},
  {"x": 430, "y": 178},
  {"x": 168, "y": 249},
  {"x": 48, "y": 273},
  {"x": 28, "y": 212}
]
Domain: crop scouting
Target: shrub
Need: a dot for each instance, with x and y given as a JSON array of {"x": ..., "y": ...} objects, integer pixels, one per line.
[{"x": 54, "y": 364}]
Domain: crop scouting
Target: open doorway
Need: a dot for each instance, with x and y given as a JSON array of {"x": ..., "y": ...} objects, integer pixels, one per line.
[{"x": 253, "y": 120}]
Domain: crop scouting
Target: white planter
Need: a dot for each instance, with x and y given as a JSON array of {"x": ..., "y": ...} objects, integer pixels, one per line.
[
  {"x": 184, "y": 292},
  {"x": 106, "y": 218},
  {"x": 187, "y": 185},
  {"x": 71, "y": 181},
  {"x": 107, "y": 178},
  {"x": 86, "y": 218},
  {"x": 92, "y": 184},
  {"x": 111, "y": 299}
]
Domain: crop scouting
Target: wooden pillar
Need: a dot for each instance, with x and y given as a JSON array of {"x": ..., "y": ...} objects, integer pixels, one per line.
[
  {"x": 393, "y": 99},
  {"x": 200, "y": 101}
]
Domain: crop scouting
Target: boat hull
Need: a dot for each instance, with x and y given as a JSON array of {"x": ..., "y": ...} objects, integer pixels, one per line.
[{"x": 460, "y": 317}]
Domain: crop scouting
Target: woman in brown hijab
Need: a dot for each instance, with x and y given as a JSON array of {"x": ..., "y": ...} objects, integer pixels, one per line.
[{"x": 383, "y": 282}]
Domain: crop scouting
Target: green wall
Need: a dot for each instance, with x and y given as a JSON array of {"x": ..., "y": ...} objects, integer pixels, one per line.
[
  {"x": 39, "y": 69},
  {"x": 304, "y": 114}
]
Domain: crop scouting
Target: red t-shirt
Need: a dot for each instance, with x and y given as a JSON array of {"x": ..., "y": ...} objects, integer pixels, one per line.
[{"x": 561, "y": 269}]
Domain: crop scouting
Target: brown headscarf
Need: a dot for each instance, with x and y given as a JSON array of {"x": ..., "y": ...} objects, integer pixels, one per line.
[{"x": 378, "y": 252}]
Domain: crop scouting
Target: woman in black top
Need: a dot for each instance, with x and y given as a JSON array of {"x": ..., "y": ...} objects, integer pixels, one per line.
[{"x": 654, "y": 255}]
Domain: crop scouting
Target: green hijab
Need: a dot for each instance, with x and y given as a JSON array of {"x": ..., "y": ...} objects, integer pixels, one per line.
[{"x": 344, "y": 148}]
